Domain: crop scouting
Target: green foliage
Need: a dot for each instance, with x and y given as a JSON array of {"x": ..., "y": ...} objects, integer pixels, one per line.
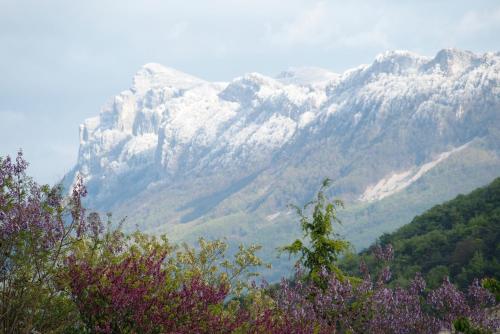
[
  {"x": 323, "y": 245},
  {"x": 463, "y": 325},
  {"x": 492, "y": 285},
  {"x": 459, "y": 239},
  {"x": 36, "y": 232},
  {"x": 209, "y": 261}
]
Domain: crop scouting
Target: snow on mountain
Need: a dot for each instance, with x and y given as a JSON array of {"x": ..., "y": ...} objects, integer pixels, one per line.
[
  {"x": 398, "y": 181},
  {"x": 168, "y": 115},
  {"x": 363, "y": 127},
  {"x": 304, "y": 76},
  {"x": 178, "y": 154},
  {"x": 156, "y": 76}
]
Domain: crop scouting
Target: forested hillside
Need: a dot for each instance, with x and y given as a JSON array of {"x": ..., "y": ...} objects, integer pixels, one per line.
[{"x": 459, "y": 239}]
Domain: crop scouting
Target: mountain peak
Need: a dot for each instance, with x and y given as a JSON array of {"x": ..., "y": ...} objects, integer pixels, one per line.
[
  {"x": 452, "y": 61},
  {"x": 153, "y": 75},
  {"x": 155, "y": 67},
  {"x": 306, "y": 75},
  {"x": 396, "y": 55},
  {"x": 244, "y": 88},
  {"x": 397, "y": 61}
]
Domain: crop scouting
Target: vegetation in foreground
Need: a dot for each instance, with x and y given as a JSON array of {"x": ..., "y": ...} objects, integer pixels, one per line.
[{"x": 65, "y": 270}]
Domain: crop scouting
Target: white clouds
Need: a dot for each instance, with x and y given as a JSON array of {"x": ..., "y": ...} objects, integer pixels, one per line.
[
  {"x": 178, "y": 30},
  {"x": 475, "y": 21},
  {"x": 10, "y": 118},
  {"x": 375, "y": 38},
  {"x": 307, "y": 28},
  {"x": 329, "y": 25},
  {"x": 420, "y": 26}
]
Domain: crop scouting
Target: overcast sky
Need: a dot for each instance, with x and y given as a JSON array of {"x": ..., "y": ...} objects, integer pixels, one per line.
[{"x": 61, "y": 60}]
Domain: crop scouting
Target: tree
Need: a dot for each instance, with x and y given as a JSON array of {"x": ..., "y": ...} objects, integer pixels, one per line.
[
  {"x": 143, "y": 284},
  {"x": 38, "y": 226},
  {"x": 323, "y": 246}
]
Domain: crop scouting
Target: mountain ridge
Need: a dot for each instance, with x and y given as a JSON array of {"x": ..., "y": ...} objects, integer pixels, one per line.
[{"x": 179, "y": 152}]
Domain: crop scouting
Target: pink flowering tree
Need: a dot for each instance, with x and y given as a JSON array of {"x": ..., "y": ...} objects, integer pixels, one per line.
[{"x": 141, "y": 284}]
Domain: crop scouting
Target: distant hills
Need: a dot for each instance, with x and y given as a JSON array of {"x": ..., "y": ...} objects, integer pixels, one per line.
[
  {"x": 177, "y": 154},
  {"x": 459, "y": 239}
]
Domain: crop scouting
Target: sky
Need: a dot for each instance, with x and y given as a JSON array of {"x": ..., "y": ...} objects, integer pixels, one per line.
[{"x": 60, "y": 61}]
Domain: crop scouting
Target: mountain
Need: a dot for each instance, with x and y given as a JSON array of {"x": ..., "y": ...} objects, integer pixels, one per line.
[
  {"x": 177, "y": 154},
  {"x": 459, "y": 239}
]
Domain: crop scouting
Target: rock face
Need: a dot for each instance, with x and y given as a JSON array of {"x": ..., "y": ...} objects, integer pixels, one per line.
[{"x": 179, "y": 154}]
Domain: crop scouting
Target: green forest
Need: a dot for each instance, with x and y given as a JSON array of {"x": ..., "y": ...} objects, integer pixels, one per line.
[{"x": 459, "y": 239}]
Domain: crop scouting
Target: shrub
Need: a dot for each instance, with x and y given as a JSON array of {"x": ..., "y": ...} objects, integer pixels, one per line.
[{"x": 344, "y": 306}]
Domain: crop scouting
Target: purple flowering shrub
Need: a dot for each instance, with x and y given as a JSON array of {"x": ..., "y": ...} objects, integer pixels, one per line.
[
  {"x": 350, "y": 305},
  {"x": 37, "y": 228}
]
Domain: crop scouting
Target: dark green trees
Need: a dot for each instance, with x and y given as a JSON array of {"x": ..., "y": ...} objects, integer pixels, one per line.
[{"x": 459, "y": 239}]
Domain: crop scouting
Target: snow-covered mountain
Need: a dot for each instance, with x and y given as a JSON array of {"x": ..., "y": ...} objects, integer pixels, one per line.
[
  {"x": 180, "y": 154},
  {"x": 177, "y": 124}
]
